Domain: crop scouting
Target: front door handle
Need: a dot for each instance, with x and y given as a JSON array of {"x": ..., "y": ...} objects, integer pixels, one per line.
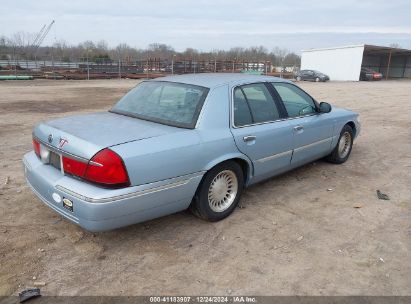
[
  {"x": 249, "y": 138},
  {"x": 298, "y": 128}
]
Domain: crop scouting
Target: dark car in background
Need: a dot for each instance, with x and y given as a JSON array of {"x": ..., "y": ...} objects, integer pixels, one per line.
[
  {"x": 368, "y": 74},
  {"x": 311, "y": 75}
]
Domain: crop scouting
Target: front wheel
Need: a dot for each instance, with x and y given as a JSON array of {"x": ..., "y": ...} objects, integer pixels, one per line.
[
  {"x": 219, "y": 192},
  {"x": 317, "y": 79},
  {"x": 343, "y": 149},
  {"x": 298, "y": 78}
]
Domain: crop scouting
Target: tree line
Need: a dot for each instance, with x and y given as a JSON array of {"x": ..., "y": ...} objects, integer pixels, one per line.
[{"x": 20, "y": 46}]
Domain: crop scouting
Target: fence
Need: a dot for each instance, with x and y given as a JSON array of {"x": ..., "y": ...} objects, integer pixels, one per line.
[{"x": 148, "y": 68}]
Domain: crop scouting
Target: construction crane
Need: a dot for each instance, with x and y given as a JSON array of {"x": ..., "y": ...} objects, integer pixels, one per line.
[
  {"x": 38, "y": 36},
  {"x": 41, "y": 35}
]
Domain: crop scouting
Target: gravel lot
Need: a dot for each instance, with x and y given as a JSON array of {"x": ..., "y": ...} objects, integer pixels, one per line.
[{"x": 291, "y": 235}]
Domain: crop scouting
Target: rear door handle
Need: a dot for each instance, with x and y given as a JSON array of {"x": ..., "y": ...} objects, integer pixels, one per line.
[
  {"x": 249, "y": 138},
  {"x": 298, "y": 128}
]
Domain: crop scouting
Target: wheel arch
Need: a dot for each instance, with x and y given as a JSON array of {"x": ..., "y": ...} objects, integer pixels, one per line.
[
  {"x": 241, "y": 160},
  {"x": 353, "y": 127}
]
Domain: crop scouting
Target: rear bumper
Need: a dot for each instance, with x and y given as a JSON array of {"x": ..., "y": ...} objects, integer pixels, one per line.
[{"x": 98, "y": 209}]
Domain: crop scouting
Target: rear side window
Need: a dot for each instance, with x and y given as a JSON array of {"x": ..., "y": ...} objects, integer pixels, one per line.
[
  {"x": 242, "y": 114},
  {"x": 296, "y": 101},
  {"x": 253, "y": 103}
]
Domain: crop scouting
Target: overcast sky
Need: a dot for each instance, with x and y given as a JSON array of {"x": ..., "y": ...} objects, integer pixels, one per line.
[{"x": 211, "y": 24}]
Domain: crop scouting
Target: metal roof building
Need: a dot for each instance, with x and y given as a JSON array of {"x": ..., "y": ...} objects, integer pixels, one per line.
[{"x": 345, "y": 63}]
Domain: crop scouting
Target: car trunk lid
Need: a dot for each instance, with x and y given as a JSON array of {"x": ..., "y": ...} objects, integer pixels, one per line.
[{"x": 85, "y": 135}]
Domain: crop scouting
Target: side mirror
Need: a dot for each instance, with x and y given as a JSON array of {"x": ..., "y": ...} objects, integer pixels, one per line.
[{"x": 325, "y": 107}]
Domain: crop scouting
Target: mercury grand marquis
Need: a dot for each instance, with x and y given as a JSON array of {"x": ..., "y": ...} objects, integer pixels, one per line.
[{"x": 178, "y": 142}]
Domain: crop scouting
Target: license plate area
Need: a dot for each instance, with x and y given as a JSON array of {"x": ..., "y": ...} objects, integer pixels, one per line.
[
  {"x": 55, "y": 160},
  {"x": 49, "y": 157}
]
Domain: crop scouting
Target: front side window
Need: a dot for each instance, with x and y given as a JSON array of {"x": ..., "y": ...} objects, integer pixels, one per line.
[
  {"x": 169, "y": 103},
  {"x": 296, "y": 101},
  {"x": 253, "y": 103}
]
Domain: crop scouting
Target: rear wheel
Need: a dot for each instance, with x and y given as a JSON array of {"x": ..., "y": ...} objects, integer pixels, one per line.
[
  {"x": 219, "y": 192},
  {"x": 298, "y": 78},
  {"x": 343, "y": 149}
]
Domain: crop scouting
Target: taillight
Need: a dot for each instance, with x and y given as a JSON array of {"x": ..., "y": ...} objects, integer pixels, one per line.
[
  {"x": 107, "y": 168},
  {"x": 73, "y": 166},
  {"x": 36, "y": 146}
]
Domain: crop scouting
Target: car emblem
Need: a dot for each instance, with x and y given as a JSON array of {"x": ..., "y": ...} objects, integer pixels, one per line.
[
  {"x": 62, "y": 142},
  {"x": 50, "y": 138}
]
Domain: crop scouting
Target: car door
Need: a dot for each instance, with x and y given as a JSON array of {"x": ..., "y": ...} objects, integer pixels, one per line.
[
  {"x": 312, "y": 131},
  {"x": 260, "y": 130},
  {"x": 310, "y": 75}
]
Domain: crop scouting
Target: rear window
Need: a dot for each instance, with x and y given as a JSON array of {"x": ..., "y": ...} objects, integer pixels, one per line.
[{"x": 170, "y": 103}]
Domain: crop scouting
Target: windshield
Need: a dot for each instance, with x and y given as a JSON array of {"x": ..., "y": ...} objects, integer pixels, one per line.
[{"x": 170, "y": 103}]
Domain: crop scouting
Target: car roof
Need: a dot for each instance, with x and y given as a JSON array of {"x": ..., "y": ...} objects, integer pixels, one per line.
[{"x": 212, "y": 80}]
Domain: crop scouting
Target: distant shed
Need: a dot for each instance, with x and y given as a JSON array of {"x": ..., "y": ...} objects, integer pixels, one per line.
[{"x": 345, "y": 63}]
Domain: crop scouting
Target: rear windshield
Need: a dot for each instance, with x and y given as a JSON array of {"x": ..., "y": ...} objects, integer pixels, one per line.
[{"x": 170, "y": 103}]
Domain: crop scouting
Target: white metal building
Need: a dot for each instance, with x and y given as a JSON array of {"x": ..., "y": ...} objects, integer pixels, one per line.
[{"x": 344, "y": 63}]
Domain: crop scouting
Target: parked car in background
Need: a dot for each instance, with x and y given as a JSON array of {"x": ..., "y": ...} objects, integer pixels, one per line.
[
  {"x": 178, "y": 142},
  {"x": 368, "y": 74},
  {"x": 311, "y": 75}
]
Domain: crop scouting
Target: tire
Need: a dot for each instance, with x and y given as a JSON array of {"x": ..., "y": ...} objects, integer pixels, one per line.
[
  {"x": 317, "y": 79},
  {"x": 298, "y": 78},
  {"x": 343, "y": 148},
  {"x": 214, "y": 206}
]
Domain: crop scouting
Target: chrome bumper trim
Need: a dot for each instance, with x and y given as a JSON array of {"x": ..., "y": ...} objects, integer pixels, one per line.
[{"x": 138, "y": 193}]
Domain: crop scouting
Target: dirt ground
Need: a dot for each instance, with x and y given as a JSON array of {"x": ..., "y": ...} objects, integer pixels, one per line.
[{"x": 291, "y": 236}]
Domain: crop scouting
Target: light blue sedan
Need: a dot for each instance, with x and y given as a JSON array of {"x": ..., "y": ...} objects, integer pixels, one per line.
[{"x": 189, "y": 141}]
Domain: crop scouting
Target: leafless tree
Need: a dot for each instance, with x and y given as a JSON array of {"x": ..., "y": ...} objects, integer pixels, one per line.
[
  {"x": 20, "y": 45},
  {"x": 395, "y": 45}
]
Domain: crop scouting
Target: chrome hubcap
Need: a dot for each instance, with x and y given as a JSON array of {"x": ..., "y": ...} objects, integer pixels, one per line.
[
  {"x": 223, "y": 191},
  {"x": 344, "y": 145}
]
